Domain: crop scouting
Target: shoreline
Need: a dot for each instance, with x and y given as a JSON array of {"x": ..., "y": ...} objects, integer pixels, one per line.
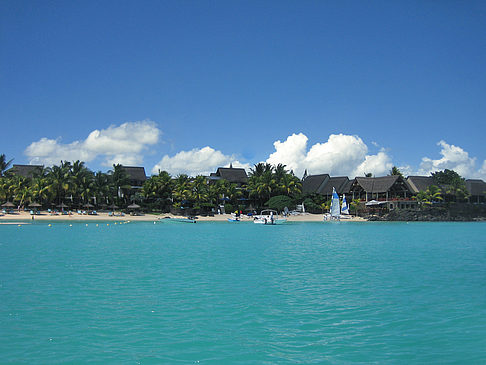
[{"x": 25, "y": 216}]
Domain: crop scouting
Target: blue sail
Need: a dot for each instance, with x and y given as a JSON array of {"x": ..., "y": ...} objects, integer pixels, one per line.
[
  {"x": 335, "y": 208},
  {"x": 344, "y": 207}
]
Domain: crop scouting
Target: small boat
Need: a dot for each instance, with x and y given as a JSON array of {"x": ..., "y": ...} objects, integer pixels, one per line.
[
  {"x": 234, "y": 218},
  {"x": 178, "y": 220},
  {"x": 269, "y": 217}
]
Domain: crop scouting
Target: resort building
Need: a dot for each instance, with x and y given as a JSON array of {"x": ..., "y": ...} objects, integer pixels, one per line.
[
  {"x": 136, "y": 175},
  {"x": 382, "y": 188},
  {"x": 419, "y": 183},
  {"x": 231, "y": 174},
  {"x": 323, "y": 185},
  {"x": 27, "y": 171},
  {"x": 477, "y": 190}
]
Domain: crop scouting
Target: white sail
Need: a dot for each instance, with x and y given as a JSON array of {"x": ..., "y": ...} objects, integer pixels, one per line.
[
  {"x": 335, "y": 208},
  {"x": 344, "y": 207}
]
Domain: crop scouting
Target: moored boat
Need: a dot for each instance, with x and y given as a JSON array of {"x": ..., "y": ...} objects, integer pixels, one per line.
[{"x": 269, "y": 217}]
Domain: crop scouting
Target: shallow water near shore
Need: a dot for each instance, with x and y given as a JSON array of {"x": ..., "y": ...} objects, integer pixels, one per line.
[{"x": 217, "y": 292}]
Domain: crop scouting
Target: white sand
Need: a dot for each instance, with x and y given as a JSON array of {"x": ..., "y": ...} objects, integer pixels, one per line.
[{"x": 23, "y": 216}]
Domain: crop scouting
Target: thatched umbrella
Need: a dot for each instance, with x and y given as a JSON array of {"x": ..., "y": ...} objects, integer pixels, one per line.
[
  {"x": 8, "y": 205},
  {"x": 62, "y": 206},
  {"x": 133, "y": 206},
  {"x": 35, "y": 205},
  {"x": 113, "y": 206}
]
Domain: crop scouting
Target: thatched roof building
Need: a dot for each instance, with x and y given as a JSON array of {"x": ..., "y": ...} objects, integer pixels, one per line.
[
  {"x": 314, "y": 183},
  {"x": 323, "y": 184},
  {"x": 384, "y": 187},
  {"x": 477, "y": 189},
  {"x": 27, "y": 171},
  {"x": 136, "y": 175},
  {"x": 231, "y": 174},
  {"x": 419, "y": 183}
]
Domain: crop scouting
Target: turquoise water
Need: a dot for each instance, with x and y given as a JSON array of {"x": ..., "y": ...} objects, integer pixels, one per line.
[{"x": 222, "y": 293}]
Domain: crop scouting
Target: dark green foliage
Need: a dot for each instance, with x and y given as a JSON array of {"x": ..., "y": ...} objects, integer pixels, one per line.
[
  {"x": 279, "y": 202},
  {"x": 452, "y": 183}
]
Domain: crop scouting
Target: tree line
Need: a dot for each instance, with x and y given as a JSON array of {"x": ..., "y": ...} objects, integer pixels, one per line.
[{"x": 73, "y": 184}]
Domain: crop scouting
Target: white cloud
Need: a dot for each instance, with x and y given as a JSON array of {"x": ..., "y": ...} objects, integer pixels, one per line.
[
  {"x": 453, "y": 158},
  {"x": 116, "y": 144},
  {"x": 198, "y": 161},
  {"x": 340, "y": 155},
  {"x": 290, "y": 152},
  {"x": 482, "y": 171}
]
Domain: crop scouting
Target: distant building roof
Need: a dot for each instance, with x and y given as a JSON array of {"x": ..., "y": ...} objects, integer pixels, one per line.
[
  {"x": 232, "y": 174},
  {"x": 314, "y": 183},
  {"x": 25, "y": 170},
  {"x": 420, "y": 183},
  {"x": 377, "y": 184},
  {"x": 339, "y": 183},
  {"x": 135, "y": 173},
  {"x": 476, "y": 187}
]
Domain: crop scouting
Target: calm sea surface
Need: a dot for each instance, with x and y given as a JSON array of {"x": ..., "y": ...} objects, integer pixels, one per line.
[{"x": 240, "y": 293}]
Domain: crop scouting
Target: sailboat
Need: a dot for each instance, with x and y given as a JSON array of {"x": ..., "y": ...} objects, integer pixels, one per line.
[
  {"x": 335, "y": 211},
  {"x": 344, "y": 209}
]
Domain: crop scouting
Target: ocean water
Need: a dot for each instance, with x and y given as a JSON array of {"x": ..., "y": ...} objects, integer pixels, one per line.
[{"x": 240, "y": 293}]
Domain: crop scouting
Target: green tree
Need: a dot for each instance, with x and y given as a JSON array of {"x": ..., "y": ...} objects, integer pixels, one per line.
[
  {"x": 4, "y": 164},
  {"x": 395, "y": 171},
  {"x": 279, "y": 203},
  {"x": 452, "y": 183}
]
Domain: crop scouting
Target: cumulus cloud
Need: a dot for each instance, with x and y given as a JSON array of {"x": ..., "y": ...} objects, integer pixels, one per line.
[
  {"x": 340, "y": 155},
  {"x": 198, "y": 161},
  {"x": 453, "y": 158},
  {"x": 122, "y": 144}
]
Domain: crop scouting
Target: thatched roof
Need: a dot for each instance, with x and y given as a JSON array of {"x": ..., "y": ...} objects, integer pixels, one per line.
[
  {"x": 339, "y": 183},
  {"x": 476, "y": 187},
  {"x": 314, "y": 183},
  {"x": 25, "y": 170},
  {"x": 135, "y": 173},
  {"x": 232, "y": 174},
  {"x": 419, "y": 183},
  {"x": 376, "y": 184}
]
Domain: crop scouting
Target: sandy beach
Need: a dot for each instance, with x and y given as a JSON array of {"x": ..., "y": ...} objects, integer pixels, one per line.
[{"x": 104, "y": 216}]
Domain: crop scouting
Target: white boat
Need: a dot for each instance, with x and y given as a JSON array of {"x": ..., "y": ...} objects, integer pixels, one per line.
[
  {"x": 269, "y": 217},
  {"x": 234, "y": 218},
  {"x": 178, "y": 220}
]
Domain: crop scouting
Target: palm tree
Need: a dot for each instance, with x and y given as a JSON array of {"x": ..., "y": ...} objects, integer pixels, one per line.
[
  {"x": 260, "y": 169},
  {"x": 182, "y": 189},
  {"x": 120, "y": 182},
  {"x": 4, "y": 164},
  {"x": 101, "y": 187},
  {"x": 21, "y": 189},
  {"x": 59, "y": 180},
  {"x": 159, "y": 188},
  {"x": 395, "y": 171},
  {"x": 199, "y": 191}
]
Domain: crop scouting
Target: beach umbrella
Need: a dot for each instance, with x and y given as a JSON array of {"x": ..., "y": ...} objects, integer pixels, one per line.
[
  {"x": 133, "y": 206},
  {"x": 8, "y": 205},
  {"x": 35, "y": 205},
  {"x": 62, "y": 205},
  {"x": 373, "y": 202},
  {"x": 113, "y": 206},
  {"x": 88, "y": 205}
]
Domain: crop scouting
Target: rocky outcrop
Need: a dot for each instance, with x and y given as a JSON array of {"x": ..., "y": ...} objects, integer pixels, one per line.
[{"x": 450, "y": 213}]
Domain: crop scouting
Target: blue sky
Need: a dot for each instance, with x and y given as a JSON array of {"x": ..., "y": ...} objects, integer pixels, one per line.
[{"x": 390, "y": 79}]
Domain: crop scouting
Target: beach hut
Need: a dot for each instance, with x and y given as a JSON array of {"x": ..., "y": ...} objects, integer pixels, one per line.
[
  {"x": 134, "y": 207},
  {"x": 35, "y": 207},
  {"x": 7, "y": 207}
]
